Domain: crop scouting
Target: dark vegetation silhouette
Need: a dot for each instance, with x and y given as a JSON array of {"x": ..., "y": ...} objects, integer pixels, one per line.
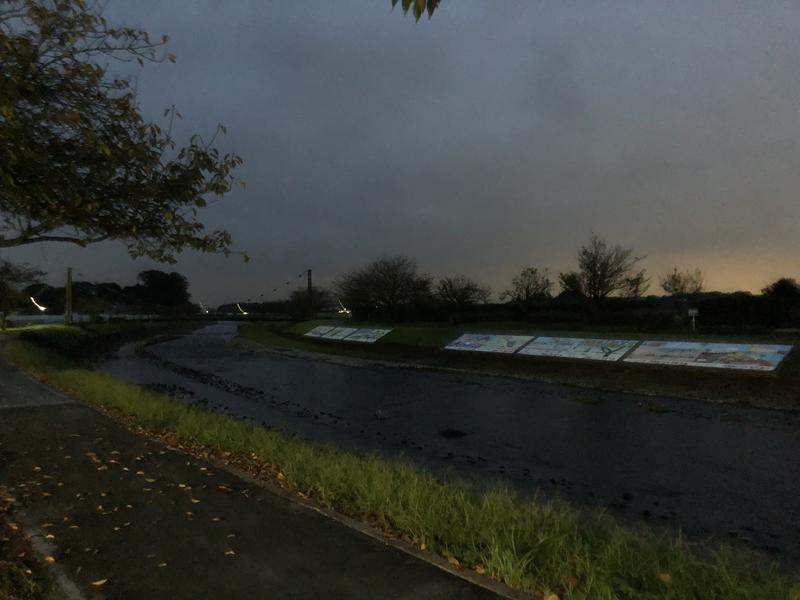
[
  {"x": 682, "y": 283},
  {"x": 782, "y": 288},
  {"x": 156, "y": 292},
  {"x": 390, "y": 287},
  {"x": 605, "y": 269},
  {"x": 461, "y": 291},
  {"x": 78, "y": 162},
  {"x": 12, "y": 277},
  {"x": 299, "y": 305},
  {"x": 530, "y": 287}
]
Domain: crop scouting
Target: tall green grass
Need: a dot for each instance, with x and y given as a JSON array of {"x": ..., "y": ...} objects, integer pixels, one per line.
[{"x": 537, "y": 545}]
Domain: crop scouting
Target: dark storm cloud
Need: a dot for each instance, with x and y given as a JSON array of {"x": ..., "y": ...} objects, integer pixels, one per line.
[{"x": 493, "y": 136}]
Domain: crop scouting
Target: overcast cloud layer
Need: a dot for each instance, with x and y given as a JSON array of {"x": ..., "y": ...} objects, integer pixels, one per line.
[{"x": 492, "y": 137}]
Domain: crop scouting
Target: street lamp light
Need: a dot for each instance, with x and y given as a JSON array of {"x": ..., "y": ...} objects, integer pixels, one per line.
[{"x": 37, "y": 305}]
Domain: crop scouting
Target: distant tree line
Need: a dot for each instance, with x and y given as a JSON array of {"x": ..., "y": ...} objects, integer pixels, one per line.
[
  {"x": 155, "y": 292},
  {"x": 608, "y": 286}
]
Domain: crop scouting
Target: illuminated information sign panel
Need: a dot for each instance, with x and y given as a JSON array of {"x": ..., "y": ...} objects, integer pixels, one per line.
[
  {"x": 753, "y": 357},
  {"x": 367, "y": 336},
  {"x": 481, "y": 342},
  {"x": 348, "y": 334},
  {"x": 339, "y": 333},
  {"x": 585, "y": 348},
  {"x": 319, "y": 331}
]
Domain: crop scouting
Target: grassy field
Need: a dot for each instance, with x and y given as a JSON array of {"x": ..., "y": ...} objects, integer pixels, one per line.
[
  {"x": 421, "y": 344},
  {"x": 539, "y": 546}
]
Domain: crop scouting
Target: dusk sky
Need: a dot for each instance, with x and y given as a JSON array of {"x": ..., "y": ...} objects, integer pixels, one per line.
[{"x": 494, "y": 136}]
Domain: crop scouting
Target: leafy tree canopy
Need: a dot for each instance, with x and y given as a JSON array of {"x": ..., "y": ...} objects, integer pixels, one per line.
[
  {"x": 78, "y": 163},
  {"x": 418, "y": 7}
]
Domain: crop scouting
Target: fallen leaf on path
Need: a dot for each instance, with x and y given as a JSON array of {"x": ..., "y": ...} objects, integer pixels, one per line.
[
  {"x": 49, "y": 559},
  {"x": 195, "y": 501},
  {"x": 160, "y": 565},
  {"x": 99, "y": 582},
  {"x": 229, "y": 552}
]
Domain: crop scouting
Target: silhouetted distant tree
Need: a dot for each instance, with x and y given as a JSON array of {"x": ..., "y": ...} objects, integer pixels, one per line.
[
  {"x": 78, "y": 162},
  {"x": 636, "y": 285},
  {"x": 461, "y": 291},
  {"x": 12, "y": 277},
  {"x": 607, "y": 269},
  {"x": 160, "y": 289},
  {"x": 785, "y": 287},
  {"x": 683, "y": 283},
  {"x": 299, "y": 304},
  {"x": 528, "y": 287},
  {"x": 385, "y": 286},
  {"x": 571, "y": 284}
]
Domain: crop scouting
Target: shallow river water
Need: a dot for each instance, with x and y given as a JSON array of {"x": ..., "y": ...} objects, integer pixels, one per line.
[{"x": 713, "y": 470}]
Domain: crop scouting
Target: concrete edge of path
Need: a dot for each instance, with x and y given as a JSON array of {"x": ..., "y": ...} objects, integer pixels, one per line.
[{"x": 43, "y": 548}]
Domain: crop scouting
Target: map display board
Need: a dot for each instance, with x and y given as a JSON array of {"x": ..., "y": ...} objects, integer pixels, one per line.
[
  {"x": 367, "y": 336},
  {"x": 486, "y": 342},
  {"x": 754, "y": 357},
  {"x": 339, "y": 333},
  {"x": 586, "y": 348},
  {"x": 319, "y": 331}
]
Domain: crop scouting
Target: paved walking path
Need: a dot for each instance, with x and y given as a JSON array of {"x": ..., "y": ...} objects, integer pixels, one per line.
[{"x": 157, "y": 523}]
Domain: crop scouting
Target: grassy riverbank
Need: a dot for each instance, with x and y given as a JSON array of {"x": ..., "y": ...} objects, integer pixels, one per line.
[
  {"x": 421, "y": 345},
  {"x": 540, "y": 546}
]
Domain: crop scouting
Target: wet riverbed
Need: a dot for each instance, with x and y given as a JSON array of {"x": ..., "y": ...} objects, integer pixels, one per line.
[{"x": 713, "y": 470}]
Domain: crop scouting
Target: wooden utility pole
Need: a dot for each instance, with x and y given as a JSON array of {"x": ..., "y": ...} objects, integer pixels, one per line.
[
  {"x": 310, "y": 295},
  {"x": 68, "y": 304}
]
